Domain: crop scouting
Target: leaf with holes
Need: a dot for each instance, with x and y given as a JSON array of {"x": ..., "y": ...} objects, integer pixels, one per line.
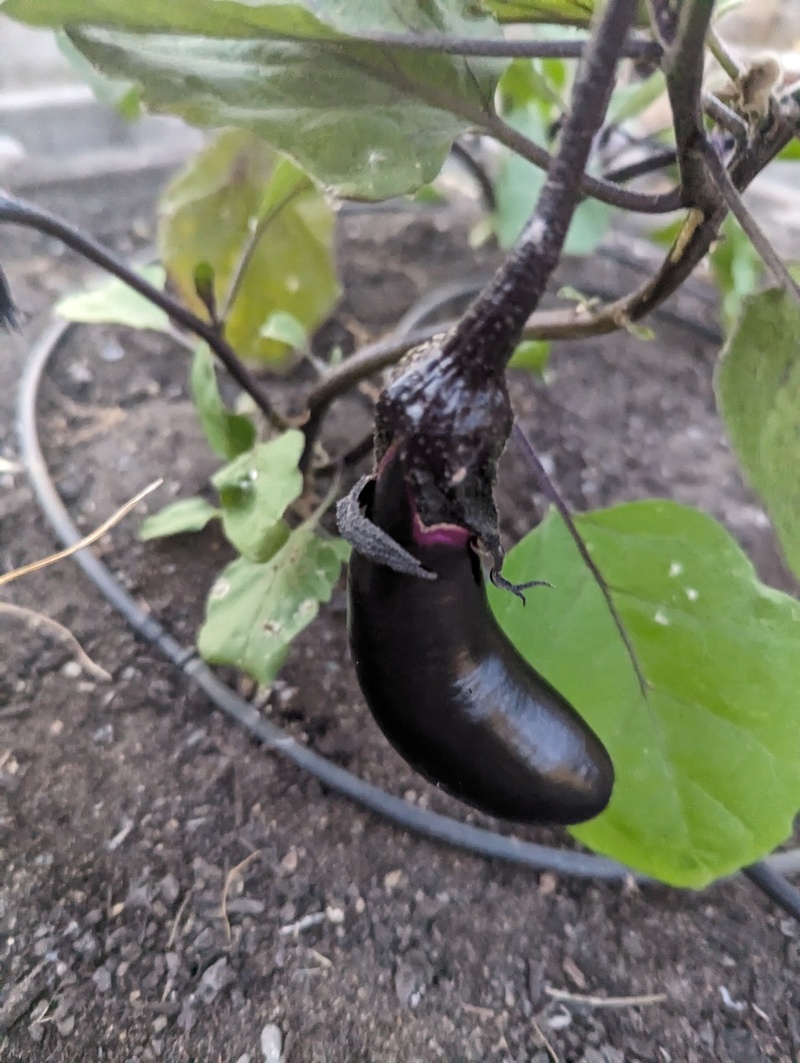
[
  {"x": 254, "y": 611},
  {"x": 114, "y": 303},
  {"x": 269, "y": 249},
  {"x": 758, "y": 394},
  {"x": 228, "y": 434},
  {"x": 185, "y": 515},
  {"x": 254, "y": 491},
  {"x": 708, "y": 765}
]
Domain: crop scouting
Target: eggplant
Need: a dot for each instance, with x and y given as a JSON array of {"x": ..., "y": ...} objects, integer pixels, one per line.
[{"x": 447, "y": 687}]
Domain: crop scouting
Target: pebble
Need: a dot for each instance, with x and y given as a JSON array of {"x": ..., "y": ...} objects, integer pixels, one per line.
[
  {"x": 214, "y": 980},
  {"x": 102, "y": 979},
  {"x": 271, "y": 1043}
]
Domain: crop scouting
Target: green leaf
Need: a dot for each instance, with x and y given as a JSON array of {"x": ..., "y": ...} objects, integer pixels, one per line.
[
  {"x": 629, "y": 101},
  {"x": 228, "y": 434},
  {"x": 371, "y": 121},
  {"x": 114, "y": 303},
  {"x": 286, "y": 329},
  {"x": 532, "y": 355},
  {"x": 758, "y": 394},
  {"x": 255, "y": 490},
  {"x": 517, "y": 189},
  {"x": 185, "y": 515},
  {"x": 737, "y": 270},
  {"x": 708, "y": 767},
  {"x": 254, "y": 611},
  {"x": 272, "y": 237},
  {"x": 571, "y": 12}
]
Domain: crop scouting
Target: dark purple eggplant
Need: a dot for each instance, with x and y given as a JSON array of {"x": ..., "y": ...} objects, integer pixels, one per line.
[{"x": 446, "y": 686}]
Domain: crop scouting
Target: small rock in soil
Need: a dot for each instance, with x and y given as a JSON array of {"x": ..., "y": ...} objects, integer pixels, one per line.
[{"x": 271, "y": 1043}]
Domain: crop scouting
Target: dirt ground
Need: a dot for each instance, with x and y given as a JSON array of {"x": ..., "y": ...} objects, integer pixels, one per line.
[{"x": 124, "y": 804}]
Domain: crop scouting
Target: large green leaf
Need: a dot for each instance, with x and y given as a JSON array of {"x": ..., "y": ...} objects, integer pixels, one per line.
[
  {"x": 758, "y": 393},
  {"x": 228, "y": 434},
  {"x": 255, "y": 611},
  {"x": 255, "y": 490},
  {"x": 255, "y": 219},
  {"x": 708, "y": 765},
  {"x": 368, "y": 120}
]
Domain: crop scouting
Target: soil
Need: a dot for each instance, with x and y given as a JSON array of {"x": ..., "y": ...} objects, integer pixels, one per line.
[{"x": 128, "y": 807}]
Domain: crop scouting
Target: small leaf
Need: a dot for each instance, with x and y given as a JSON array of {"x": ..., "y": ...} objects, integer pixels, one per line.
[
  {"x": 758, "y": 394},
  {"x": 228, "y": 434},
  {"x": 255, "y": 490},
  {"x": 114, "y": 303},
  {"x": 203, "y": 278},
  {"x": 737, "y": 270},
  {"x": 185, "y": 515},
  {"x": 532, "y": 355},
  {"x": 286, "y": 329},
  {"x": 271, "y": 242},
  {"x": 254, "y": 611},
  {"x": 708, "y": 767}
]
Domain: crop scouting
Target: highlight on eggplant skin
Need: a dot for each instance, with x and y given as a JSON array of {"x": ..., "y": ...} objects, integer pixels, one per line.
[{"x": 450, "y": 691}]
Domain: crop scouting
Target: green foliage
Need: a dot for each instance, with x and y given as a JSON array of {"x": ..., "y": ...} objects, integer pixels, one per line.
[
  {"x": 532, "y": 355},
  {"x": 708, "y": 765},
  {"x": 228, "y": 434},
  {"x": 570, "y": 12},
  {"x": 369, "y": 121},
  {"x": 268, "y": 251},
  {"x": 185, "y": 515},
  {"x": 737, "y": 270},
  {"x": 254, "y": 611},
  {"x": 114, "y": 303},
  {"x": 758, "y": 393},
  {"x": 255, "y": 489}
]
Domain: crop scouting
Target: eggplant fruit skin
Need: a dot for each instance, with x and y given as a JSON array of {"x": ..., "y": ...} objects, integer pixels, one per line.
[{"x": 449, "y": 690}]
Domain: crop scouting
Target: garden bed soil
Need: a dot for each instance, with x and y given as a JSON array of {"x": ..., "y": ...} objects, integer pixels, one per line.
[{"x": 125, "y": 805}]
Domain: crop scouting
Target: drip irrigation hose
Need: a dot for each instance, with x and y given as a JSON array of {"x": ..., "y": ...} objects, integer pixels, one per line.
[{"x": 442, "y": 828}]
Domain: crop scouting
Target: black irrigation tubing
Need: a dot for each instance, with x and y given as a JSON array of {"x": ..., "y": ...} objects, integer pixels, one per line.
[{"x": 475, "y": 840}]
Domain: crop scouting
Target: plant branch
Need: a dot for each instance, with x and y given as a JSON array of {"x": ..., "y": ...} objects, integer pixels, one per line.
[
  {"x": 758, "y": 238},
  {"x": 497, "y": 317},
  {"x": 596, "y": 187},
  {"x": 577, "y": 322},
  {"x": 683, "y": 69},
  {"x": 486, "y": 120},
  {"x": 19, "y": 212},
  {"x": 657, "y": 161},
  {"x": 723, "y": 55}
]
